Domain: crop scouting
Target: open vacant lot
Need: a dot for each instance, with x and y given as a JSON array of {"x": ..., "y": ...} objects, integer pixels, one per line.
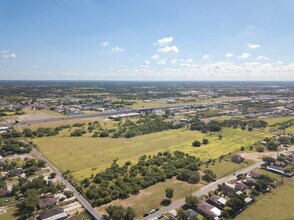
[
  {"x": 225, "y": 167},
  {"x": 276, "y": 205},
  {"x": 85, "y": 153},
  {"x": 275, "y": 120}
]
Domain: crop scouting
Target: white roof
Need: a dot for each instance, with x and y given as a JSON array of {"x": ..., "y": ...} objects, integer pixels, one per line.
[
  {"x": 173, "y": 212},
  {"x": 216, "y": 211},
  {"x": 222, "y": 200},
  {"x": 248, "y": 199}
]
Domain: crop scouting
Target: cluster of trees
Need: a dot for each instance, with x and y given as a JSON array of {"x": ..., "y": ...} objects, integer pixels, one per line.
[
  {"x": 286, "y": 140},
  {"x": 146, "y": 125},
  {"x": 18, "y": 111},
  {"x": 216, "y": 126},
  {"x": 209, "y": 175},
  {"x": 235, "y": 123},
  {"x": 198, "y": 143},
  {"x": 120, "y": 213},
  {"x": 12, "y": 146},
  {"x": 118, "y": 182},
  {"x": 198, "y": 125},
  {"x": 284, "y": 125}
]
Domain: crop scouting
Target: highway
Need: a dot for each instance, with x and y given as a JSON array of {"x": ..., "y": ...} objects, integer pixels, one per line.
[
  {"x": 95, "y": 214},
  {"x": 114, "y": 112},
  {"x": 204, "y": 190}
]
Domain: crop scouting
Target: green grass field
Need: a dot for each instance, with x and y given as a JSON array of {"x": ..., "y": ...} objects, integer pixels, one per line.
[
  {"x": 276, "y": 205},
  {"x": 85, "y": 153},
  {"x": 10, "y": 214},
  {"x": 153, "y": 195},
  {"x": 275, "y": 120},
  {"x": 230, "y": 167}
]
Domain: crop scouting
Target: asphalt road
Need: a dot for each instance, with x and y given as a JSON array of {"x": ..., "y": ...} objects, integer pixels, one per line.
[
  {"x": 113, "y": 112},
  {"x": 212, "y": 186},
  {"x": 79, "y": 196}
]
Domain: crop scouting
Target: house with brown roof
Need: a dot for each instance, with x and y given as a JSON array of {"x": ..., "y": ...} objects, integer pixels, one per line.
[
  {"x": 47, "y": 202},
  {"x": 4, "y": 192},
  {"x": 253, "y": 174},
  {"x": 239, "y": 186},
  {"x": 237, "y": 158},
  {"x": 228, "y": 190},
  {"x": 217, "y": 201},
  {"x": 208, "y": 210},
  {"x": 56, "y": 213}
]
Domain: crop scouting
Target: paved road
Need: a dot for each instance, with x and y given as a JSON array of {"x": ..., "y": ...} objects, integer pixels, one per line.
[
  {"x": 113, "y": 112},
  {"x": 79, "y": 196},
  {"x": 212, "y": 186}
]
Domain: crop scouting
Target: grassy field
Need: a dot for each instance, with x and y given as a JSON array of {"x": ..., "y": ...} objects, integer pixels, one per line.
[
  {"x": 9, "y": 214},
  {"x": 103, "y": 122},
  {"x": 276, "y": 205},
  {"x": 85, "y": 153},
  {"x": 153, "y": 196},
  {"x": 230, "y": 167},
  {"x": 290, "y": 130},
  {"x": 275, "y": 120}
]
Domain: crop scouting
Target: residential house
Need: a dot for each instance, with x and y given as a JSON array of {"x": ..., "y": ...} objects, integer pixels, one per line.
[
  {"x": 240, "y": 186},
  {"x": 217, "y": 201},
  {"x": 253, "y": 174},
  {"x": 209, "y": 210},
  {"x": 56, "y": 213},
  {"x": 228, "y": 190},
  {"x": 4, "y": 192},
  {"x": 279, "y": 170},
  {"x": 237, "y": 158},
  {"x": 191, "y": 213},
  {"x": 47, "y": 202}
]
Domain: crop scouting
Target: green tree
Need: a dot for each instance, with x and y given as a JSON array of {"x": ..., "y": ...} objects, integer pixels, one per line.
[
  {"x": 169, "y": 193},
  {"x": 196, "y": 144},
  {"x": 205, "y": 141},
  {"x": 191, "y": 201},
  {"x": 182, "y": 215}
]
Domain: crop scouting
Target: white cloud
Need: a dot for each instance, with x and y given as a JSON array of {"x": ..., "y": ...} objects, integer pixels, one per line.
[
  {"x": 169, "y": 50},
  {"x": 253, "y": 46},
  {"x": 155, "y": 57},
  {"x": 280, "y": 62},
  {"x": 206, "y": 56},
  {"x": 164, "y": 41},
  {"x": 144, "y": 66},
  {"x": 104, "y": 44},
  {"x": 161, "y": 62},
  {"x": 173, "y": 61},
  {"x": 244, "y": 55},
  {"x": 6, "y": 54},
  {"x": 228, "y": 55},
  {"x": 189, "y": 61},
  {"x": 261, "y": 58},
  {"x": 35, "y": 67},
  {"x": 117, "y": 49}
]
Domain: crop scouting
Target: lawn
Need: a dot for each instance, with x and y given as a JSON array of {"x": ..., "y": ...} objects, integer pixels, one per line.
[
  {"x": 276, "y": 205},
  {"x": 9, "y": 215},
  {"x": 85, "y": 153},
  {"x": 153, "y": 195},
  {"x": 226, "y": 167}
]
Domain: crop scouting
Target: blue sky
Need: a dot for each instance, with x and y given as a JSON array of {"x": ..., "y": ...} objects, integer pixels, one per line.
[{"x": 147, "y": 40}]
